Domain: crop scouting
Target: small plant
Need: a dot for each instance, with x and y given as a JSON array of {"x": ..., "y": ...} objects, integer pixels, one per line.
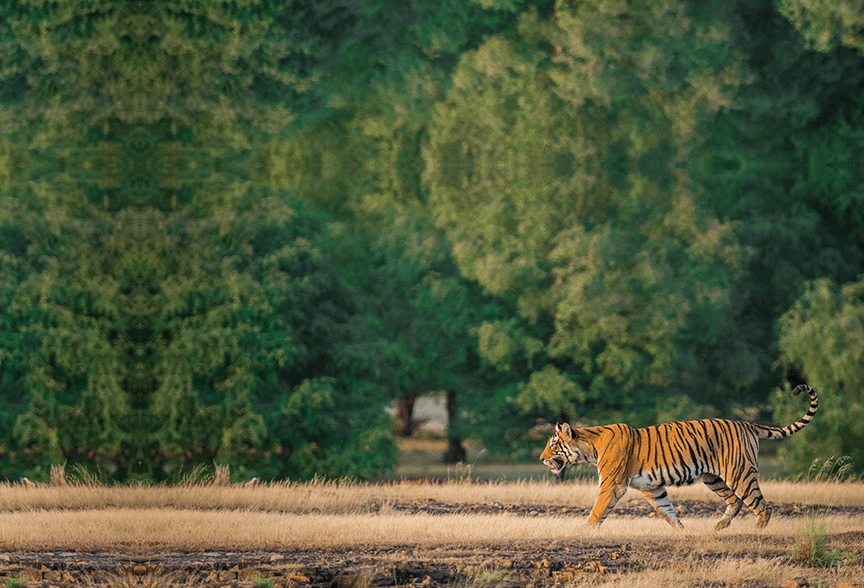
[
  {"x": 14, "y": 582},
  {"x": 223, "y": 475},
  {"x": 830, "y": 470},
  {"x": 810, "y": 545},
  {"x": 487, "y": 578},
  {"x": 79, "y": 474},
  {"x": 198, "y": 474},
  {"x": 58, "y": 474},
  {"x": 262, "y": 582}
]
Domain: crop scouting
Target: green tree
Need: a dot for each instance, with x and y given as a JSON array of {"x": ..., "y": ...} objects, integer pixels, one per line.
[
  {"x": 158, "y": 307},
  {"x": 362, "y": 163},
  {"x": 143, "y": 344},
  {"x": 542, "y": 208},
  {"x": 823, "y": 334},
  {"x": 249, "y": 331},
  {"x": 827, "y": 24},
  {"x": 777, "y": 166},
  {"x": 562, "y": 166},
  {"x": 419, "y": 314},
  {"x": 62, "y": 356}
]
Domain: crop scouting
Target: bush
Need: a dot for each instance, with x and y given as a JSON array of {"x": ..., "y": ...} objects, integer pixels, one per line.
[{"x": 823, "y": 333}]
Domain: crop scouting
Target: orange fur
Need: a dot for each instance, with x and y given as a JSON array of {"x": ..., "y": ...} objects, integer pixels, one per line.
[{"x": 721, "y": 453}]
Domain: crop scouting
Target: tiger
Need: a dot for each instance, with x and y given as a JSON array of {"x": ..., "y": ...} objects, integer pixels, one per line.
[{"x": 722, "y": 453}]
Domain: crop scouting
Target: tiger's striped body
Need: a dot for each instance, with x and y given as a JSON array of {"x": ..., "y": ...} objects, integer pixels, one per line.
[{"x": 721, "y": 453}]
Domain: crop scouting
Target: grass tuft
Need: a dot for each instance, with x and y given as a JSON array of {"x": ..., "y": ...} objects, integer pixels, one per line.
[
  {"x": 58, "y": 474},
  {"x": 831, "y": 470},
  {"x": 811, "y": 545},
  {"x": 488, "y": 578},
  {"x": 223, "y": 475},
  {"x": 262, "y": 582}
]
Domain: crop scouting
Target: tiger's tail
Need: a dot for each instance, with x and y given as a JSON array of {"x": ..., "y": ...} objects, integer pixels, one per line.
[{"x": 783, "y": 432}]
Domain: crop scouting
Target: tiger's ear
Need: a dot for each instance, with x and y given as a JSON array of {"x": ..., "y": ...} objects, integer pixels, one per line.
[{"x": 564, "y": 431}]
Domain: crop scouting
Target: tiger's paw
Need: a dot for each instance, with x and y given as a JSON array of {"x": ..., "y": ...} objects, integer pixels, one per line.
[{"x": 722, "y": 524}]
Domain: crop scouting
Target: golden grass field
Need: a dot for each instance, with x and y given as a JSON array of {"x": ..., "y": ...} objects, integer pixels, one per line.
[
  {"x": 526, "y": 533},
  {"x": 296, "y": 515}
]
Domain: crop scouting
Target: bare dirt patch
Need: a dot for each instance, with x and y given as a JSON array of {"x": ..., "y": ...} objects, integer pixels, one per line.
[
  {"x": 637, "y": 507},
  {"x": 452, "y": 566},
  {"x": 721, "y": 560}
]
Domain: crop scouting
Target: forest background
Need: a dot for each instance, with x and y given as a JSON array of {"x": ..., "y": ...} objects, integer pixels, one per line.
[{"x": 236, "y": 231}]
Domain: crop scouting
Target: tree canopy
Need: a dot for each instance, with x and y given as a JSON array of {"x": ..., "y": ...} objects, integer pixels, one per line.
[{"x": 237, "y": 231}]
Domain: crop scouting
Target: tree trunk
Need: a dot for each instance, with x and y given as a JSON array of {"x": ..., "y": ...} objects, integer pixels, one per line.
[
  {"x": 455, "y": 452},
  {"x": 405, "y": 415}
]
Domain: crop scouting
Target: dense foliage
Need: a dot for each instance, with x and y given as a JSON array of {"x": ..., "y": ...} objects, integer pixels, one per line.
[{"x": 237, "y": 231}]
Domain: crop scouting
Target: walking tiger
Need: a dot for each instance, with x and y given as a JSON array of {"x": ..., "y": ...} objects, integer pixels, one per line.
[{"x": 720, "y": 452}]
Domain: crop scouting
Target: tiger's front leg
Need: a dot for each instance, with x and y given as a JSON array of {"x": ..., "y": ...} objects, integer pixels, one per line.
[
  {"x": 610, "y": 493},
  {"x": 659, "y": 499}
]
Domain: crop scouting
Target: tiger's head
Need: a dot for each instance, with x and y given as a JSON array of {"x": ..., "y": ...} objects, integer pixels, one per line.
[{"x": 563, "y": 449}]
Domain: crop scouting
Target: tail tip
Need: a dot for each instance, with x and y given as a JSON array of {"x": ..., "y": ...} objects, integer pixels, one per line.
[{"x": 801, "y": 388}]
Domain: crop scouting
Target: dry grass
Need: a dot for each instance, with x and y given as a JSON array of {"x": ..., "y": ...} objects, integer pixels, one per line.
[
  {"x": 772, "y": 572},
  {"x": 345, "y": 497},
  {"x": 334, "y": 514},
  {"x": 166, "y": 529},
  {"x": 337, "y": 516}
]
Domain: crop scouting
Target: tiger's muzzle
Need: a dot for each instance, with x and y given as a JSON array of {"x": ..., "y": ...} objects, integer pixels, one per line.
[{"x": 557, "y": 465}]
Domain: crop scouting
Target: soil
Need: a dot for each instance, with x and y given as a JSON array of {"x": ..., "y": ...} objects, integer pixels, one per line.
[
  {"x": 532, "y": 565},
  {"x": 636, "y": 507}
]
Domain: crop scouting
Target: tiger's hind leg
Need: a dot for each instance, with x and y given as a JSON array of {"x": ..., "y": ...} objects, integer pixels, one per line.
[
  {"x": 733, "y": 503},
  {"x": 747, "y": 488},
  {"x": 757, "y": 503},
  {"x": 659, "y": 499}
]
